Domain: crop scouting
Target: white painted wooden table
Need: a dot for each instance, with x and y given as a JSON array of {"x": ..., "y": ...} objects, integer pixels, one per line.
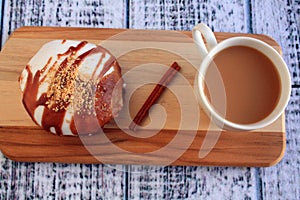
[{"x": 279, "y": 19}]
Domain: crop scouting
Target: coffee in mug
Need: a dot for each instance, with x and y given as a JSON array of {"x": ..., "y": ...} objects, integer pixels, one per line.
[
  {"x": 251, "y": 82},
  {"x": 242, "y": 82}
]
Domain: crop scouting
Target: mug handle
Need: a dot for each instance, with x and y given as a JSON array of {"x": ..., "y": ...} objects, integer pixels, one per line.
[{"x": 203, "y": 30}]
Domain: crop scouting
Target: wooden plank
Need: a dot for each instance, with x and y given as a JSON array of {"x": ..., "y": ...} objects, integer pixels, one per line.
[
  {"x": 60, "y": 181},
  {"x": 73, "y": 13},
  {"x": 281, "y": 20},
  {"x": 153, "y": 182},
  {"x": 228, "y": 16},
  {"x": 190, "y": 182},
  {"x": 20, "y": 180},
  {"x": 20, "y": 138}
]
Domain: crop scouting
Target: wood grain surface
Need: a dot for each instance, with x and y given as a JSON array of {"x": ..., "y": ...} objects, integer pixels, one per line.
[
  {"x": 262, "y": 147},
  {"x": 280, "y": 19}
]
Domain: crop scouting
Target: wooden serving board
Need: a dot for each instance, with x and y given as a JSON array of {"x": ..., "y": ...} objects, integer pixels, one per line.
[{"x": 145, "y": 54}]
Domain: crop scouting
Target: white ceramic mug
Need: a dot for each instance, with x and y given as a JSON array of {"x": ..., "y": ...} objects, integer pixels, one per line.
[{"x": 211, "y": 49}]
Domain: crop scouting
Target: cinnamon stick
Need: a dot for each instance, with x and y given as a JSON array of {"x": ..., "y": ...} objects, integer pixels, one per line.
[{"x": 155, "y": 94}]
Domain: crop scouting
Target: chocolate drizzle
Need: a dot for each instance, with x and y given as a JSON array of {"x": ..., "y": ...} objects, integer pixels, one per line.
[
  {"x": 46, "y": 66},
  {"x": 54, "y": 114},
  {"x": 72, "y": 49},
  {"x": 107, "y": 65}
]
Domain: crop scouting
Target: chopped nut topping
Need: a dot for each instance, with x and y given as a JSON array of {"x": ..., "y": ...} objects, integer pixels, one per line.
[
  {"x": 69, "y": 88},
  {"x": 84, "y": 95},
  {"x": 61, "y": 88}
]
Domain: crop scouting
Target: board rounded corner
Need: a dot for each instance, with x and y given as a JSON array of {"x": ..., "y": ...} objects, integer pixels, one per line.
[
  {"x": 280, "y": 155},
  {"x": 8, "y": 155}
]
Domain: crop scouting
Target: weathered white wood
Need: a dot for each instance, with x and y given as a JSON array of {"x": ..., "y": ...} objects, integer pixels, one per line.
[
  {"x": 281, "y": 20},
  {"x": 60, "y": 181},
  {"x": 183, "y": 15},
  {"x": 75, "y": 13},
  {"x": 51, "y": 180},
  {"x": 149, "y": 182}
]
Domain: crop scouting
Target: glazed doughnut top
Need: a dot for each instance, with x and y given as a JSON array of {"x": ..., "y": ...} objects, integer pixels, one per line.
[{"x": 72, "y": 87}]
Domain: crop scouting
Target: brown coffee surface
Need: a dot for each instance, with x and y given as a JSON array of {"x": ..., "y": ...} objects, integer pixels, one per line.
[{"x": 251, "y": 83}]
